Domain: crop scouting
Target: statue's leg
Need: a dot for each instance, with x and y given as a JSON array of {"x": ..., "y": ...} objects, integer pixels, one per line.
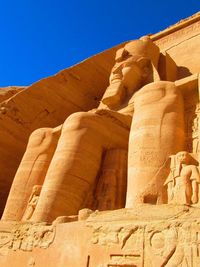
[
  {"x": 32, "y": 170},
  {"x": 76, "y": 162}
]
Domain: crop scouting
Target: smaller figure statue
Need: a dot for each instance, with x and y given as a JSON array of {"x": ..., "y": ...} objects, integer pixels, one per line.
[
  {"x": 183, "y": 180},
  {"x": 33, "y": 200}
]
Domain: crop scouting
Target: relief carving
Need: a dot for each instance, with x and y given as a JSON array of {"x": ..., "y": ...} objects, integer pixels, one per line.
[
  {"x": 160, "y": 246},
  {"x": 167, "y": 244},
  {"x": 121, "y": 260},
  {"x": 26, "y": 237},
  {"x": 5, "y": 239},
  {"x": 32, "y": 203},
  {"x": 196, "y": 130},
  {"x": 183, "y": 180},
  {"x": 137, "y": 151}
]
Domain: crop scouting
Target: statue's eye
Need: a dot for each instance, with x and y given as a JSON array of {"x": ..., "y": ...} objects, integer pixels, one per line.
[{"x": 125, "y": 54}]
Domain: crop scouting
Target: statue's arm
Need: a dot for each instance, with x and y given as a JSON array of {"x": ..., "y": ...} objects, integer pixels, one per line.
[
  {"x": 195, "y": 180},
  {"x": 194, "y": 192},
  {"x": 122, "y": 118}
]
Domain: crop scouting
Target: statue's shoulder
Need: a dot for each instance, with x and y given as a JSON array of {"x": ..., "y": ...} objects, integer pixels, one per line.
[{"x": 157, "y": 85}]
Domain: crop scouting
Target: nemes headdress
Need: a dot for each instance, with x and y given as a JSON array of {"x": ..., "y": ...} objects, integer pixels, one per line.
[{"x": 144, "y": 48}]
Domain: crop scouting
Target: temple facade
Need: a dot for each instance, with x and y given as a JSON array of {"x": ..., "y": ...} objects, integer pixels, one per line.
[{"x": 100, "y": 162}]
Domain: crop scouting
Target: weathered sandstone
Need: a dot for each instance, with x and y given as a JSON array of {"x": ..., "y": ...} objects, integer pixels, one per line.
[{"x": 100, "y": 163}]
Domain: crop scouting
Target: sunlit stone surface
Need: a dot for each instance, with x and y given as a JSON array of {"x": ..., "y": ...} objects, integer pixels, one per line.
[{"x": 100, "y": 163}]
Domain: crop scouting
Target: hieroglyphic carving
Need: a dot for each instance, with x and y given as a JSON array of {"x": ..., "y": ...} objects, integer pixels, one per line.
[
  {"x": 121, "y": 260},
  {"x": 195, "y": 244},
  {"x": 5, "y": 239},
  {"x": 195, "y": 130},
  {"x": 146, "y": 156},
  {"x": 190, "y": 124},
  {"x": 175, "y": 38},
  {"x": 159, "y": 246},
  {"x": 115, "y": 234},
  {"x": 26, "y": 237},
  {"x": 192, "y": 114},
  {"x": 105, "y": 235},
  {"x": 130, "y": 239},
  {"x": 156, "y": 244}
]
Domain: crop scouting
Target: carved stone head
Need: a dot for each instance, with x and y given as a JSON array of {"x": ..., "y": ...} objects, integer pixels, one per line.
[
  {"x": 183, "y": 157},
  {"x": 137, "y": 61},
  {"x": 136, "y": 65}
]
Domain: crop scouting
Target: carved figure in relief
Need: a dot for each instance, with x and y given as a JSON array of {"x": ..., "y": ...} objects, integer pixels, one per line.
[
  {"x": 33, "y": 200},
  {"x": 67, "y": 159},
  {"x": 5, "y": 239},
  {"x": 195, "y": 130},
  {"x": 195, "y": 134},
  {"x": 160, "y": 247},
  {"x": 183, "y": 180},
  {"x": 26, "y": 237}
]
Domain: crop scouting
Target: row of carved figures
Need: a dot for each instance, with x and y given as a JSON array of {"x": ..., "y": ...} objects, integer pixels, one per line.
[{"x": 182, "y": 185}]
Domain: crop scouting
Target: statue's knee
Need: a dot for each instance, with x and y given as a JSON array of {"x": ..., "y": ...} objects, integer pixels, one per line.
[
  {"x": 77, "y": 121},
  {"x": 39, "y": 135}
]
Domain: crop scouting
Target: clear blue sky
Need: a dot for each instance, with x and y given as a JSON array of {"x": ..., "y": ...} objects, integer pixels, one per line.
[{"x": 41, "y": 37}]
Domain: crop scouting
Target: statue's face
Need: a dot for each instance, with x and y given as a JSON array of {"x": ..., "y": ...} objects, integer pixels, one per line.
[
  {"x": 183, "y": 157},
  {"x": 129, "y": 72}
]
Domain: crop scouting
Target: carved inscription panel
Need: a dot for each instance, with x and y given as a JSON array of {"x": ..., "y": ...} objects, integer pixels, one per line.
[
  {"x": 161, "y": 244},
  {"x": 26, "y": 237}
]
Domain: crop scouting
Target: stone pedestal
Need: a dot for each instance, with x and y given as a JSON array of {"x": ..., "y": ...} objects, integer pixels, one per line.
[{"x": 146, "y": 236}]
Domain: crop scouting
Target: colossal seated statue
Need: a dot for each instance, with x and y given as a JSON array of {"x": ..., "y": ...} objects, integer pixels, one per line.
[{"x": 66, "y": 160}]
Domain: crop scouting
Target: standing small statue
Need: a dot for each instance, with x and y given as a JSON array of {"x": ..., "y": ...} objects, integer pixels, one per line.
[
  {"x": 32, "y": 203},
  {"x": 183, "y": 180}
]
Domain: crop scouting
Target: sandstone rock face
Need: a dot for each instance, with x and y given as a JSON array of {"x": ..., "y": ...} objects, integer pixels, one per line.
[
  {"x": 8, "y": 92},
  {"x": 110, "y": 173}
]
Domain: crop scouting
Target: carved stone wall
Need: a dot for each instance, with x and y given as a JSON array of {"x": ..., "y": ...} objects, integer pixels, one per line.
[
  {"x": 146, "y": 236},
  {"x": 161, "y": 155}
]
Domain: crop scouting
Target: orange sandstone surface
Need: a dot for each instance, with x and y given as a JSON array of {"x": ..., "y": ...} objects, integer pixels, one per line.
[{"x": 100, "y": 162}]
